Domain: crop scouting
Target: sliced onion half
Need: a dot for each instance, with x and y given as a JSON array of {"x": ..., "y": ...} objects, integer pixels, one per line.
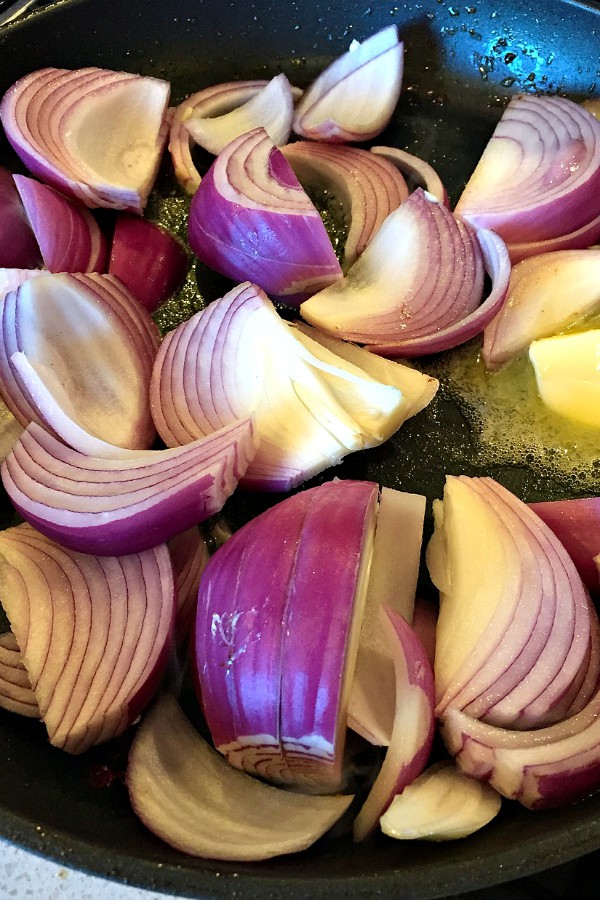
[
  {"x": 92, "y": 133},
  {"x": 123, "y": 505},
  {"x": 188, "y": 796},
  {"x": 546, "y": 294},
  {"x": 418, "y": 286},
  {"x": 355, "y": 97},
  {"x": 69, "y": 237},
  {"x": 312, "y": 405},
  {"x": 539, "y": 176},
  {"x": 251, "y": 220},
  {"x": 369, "y": 187},
  {"x": 91, "y": 344},
  {"x": 93, "y": 632},
  {"x": 279, "y": 611},
  {"x": 514, "y": 635}
]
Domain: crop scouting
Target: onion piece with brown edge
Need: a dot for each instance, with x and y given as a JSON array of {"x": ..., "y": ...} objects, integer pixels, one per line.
[
  {"x": 114, "y": 506},
  {"x": 539, "y": 175},
  {"x": 271, "y": 108},
  {"x": 215, "y": 100},
  {"x": 354, "y": 98},
  {"x": 414, "y": 722},
  {"x": 18, "y": 246},
  {"x": 576, "y": 523},
  {"x": 68, "y": 235},
  {"x": 513, "y": 639},
  {"x": 188, "y": 796},
  {"x": 251, "y": 220},
  {"x": 149, "y": 261},
  {"x": 93, "y": 632},
  {"x": 418, "y": 286},
  {"x": 15, "y": 688},
  {"x": 442, "y": 804},
  {"x": 92, "y": 345},
  {"x": 237, "y": 357},
  {"x": 393, "y": 582},
  {"x": 546, "y": 294},
  {"x": 417, "y": 172},
  {"x": 368, "y": 187},
  {"x": 274, "y": 686},
  {"x": 92, "y": 133}
]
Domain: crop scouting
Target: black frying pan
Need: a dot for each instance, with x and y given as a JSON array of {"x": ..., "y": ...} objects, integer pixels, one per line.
[{"x": 462, "y": 62}]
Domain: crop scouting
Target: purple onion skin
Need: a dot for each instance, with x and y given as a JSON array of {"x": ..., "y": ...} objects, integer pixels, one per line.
[
  {"x": 289, "y": 256},
  {"x": 18, "y": 246}
]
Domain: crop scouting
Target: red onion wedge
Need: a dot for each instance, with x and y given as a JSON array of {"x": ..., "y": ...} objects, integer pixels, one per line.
[
  {"x": 189, "y": 555},
  {"x": 11, "y": 279},
  {"x": 216, "y": 100},
  {"x": 91, "y": 344},
  {"x": 279, "y": 611},
  {"x": 417, "y": 172},
  {"x": 238, "y": 358},
  {"x": 539, "y": 176},
  {"x": 546, "y": 294},
  {"x": 123, "y": 505},
  {"x": 149, "y": 261},
  {"x": 188, "y": 796},
  {"x": 69, "y": 237},
  {"x": 418, "y": 286},
  {"x": 576, "y": 523},
  {"x": 514, "y": 635},
  {"x": 251, "y": 220},
  {"x": 414, "y": 722},
  {"x": 442, "y": 804},
  {"x": 93, "y": 632},
  {"x": 393, "y": 583},
  {"x": 355, "y": 97},
  {"x": 579, "y": 239},
  {"x": 18, "y": 246},
  {"x": 369, "y": 187},
  {"x": 271, "y": 108},
  {"x": 93, "y": 134},
  {"x": 15, "y": 688}
]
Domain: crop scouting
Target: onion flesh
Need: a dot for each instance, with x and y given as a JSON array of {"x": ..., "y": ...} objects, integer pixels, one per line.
[
  {"x": 576, "y": 523},
  {"x": 18, "y": 246}
]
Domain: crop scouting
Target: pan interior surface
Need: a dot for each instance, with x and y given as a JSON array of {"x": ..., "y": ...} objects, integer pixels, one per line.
[{"x": 462, "y": 63}]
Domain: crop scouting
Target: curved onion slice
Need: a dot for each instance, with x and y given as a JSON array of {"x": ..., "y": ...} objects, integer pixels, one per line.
[
  {"x": 250, "y": 219},
  {"x": 279, "y": 610},
  {"x": 576, "y": 523},
  {"x": 579, "y": 239},
  {"x": 416, "y": 171},
  {"x": 414, "y": 722},
  {"x": 238, "y": 358},
  {"x": 93, "y": 134},
  {"x": 149, "y": 261},
  {"x": 11, "y": 279},
  {"x": 271, "y": 108},
  {"x": 417, "y": 288},
  {"x": 69, "y": 237},
  {"x": 189, "y": 555},
  {"x": 93, "y": 632},
  {"x": 15, "y": 688},
  {"x": 393, "y": 583},
  {"x": 539, "y": 176},
  {"x": 369, "y": 187},
  {"x": 355, "y": 97},
  {"x": 442, "y": 804},
  {"x": 513, "y": 640},
  {"x": 546, "y": 293},
  {"x": 188, "y": 796},
  {"x": 91, "y": 344},
  {"x": 18, "y": 246},
  {"x": 216, "y": 100},
  {"x": 114, "y": 506}
]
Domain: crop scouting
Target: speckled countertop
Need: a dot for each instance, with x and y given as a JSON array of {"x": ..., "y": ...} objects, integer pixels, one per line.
[{"x": 24, "y": 875}]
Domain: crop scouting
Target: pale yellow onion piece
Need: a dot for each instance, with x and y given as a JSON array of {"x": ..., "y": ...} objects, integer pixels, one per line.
[
  {"x": 546, "y": 294},
  {"x": 442, "y": 804},
  {"x": 393, "y": 581},
  {"x": 192, "y": 799},
  {"x": 567, "y": 370}
]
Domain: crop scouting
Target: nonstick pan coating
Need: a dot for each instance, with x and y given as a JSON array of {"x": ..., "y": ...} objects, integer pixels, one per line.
[{"x": 462, "y": 62}]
